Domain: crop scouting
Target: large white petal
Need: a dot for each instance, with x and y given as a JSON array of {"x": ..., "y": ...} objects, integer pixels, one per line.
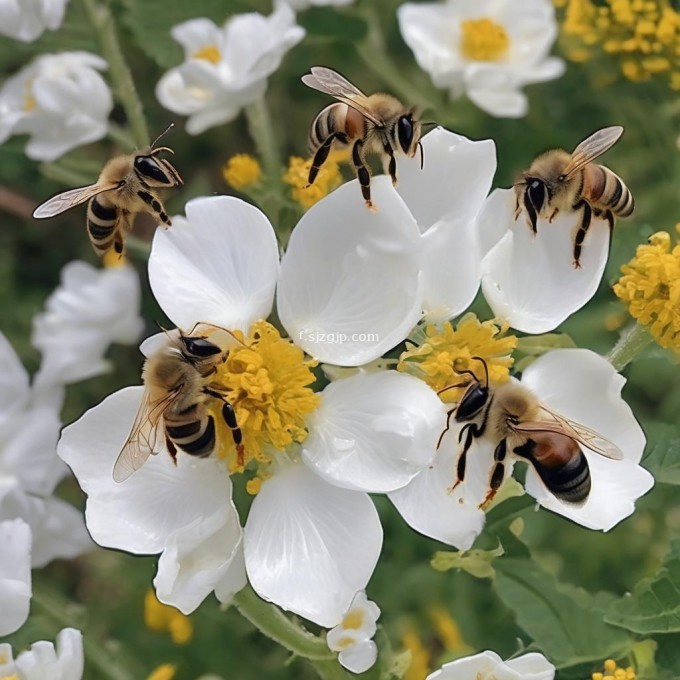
[
  {"x": 374, "y": 432},
  {"x": 139, "y": 514},
  {"x": 42, "y": 660},
  {"x": 14, "y": 385},
  {"x": 481, "y": 664},
  {"x": 532, "y": 666},
  {"x": 309, "y": 547},
  {"x": 15, "y": 575},
  {"x": 350, "y": 287},
  {"x": 219, "y": 265},
  {"x": 530, "y": 280},
  {"x": 360, "y": 657},
  {"x": 584, "y": 387}
]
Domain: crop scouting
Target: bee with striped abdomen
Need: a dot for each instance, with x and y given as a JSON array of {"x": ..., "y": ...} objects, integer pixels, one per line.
[
  {"x": 560, "y": 181},
  {"x": 517, "y": 423},
  {"x": 377, "y": 123},
  {"x": 174, "y": 408},
  {"x": 127, "y": 185}
]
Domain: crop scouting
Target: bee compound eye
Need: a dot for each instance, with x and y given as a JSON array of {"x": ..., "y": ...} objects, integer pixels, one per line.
[
  {"x": 536, "y": 190},
  {"x": 149, "y": 168},
  {"x": 200, "y": 347},
  {"x": 405, "y": 132}
]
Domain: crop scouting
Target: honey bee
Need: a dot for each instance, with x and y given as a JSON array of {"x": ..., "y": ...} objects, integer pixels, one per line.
[
  {"x": 177, "y": 392},
  {"x": 558, "y": 181},
  {"x": 512, "y": 418},
  {"x": 377, "y": 123},
  {"x": 126, "y": 186}
]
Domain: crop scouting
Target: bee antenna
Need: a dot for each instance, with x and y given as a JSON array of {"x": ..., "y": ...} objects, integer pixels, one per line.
[
  {"x": 167, "y": 129},
  {"x": 486, "y": 368},
  {"x": 422, "y": 156},
  {"x": 429, "y": 123}
]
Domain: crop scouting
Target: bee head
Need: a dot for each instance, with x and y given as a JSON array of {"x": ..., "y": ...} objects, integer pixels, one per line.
[
  {"x": 150, "y": 171},
  {"x": 408, "y": 132},
  {"x": 196, "y": 349}
]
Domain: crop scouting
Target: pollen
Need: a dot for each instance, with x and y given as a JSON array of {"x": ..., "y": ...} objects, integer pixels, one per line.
[
  {"x": 447, "y": 351},
  {"x": 613, "y": 671},
  {"x": 242, "y": 171},
  {"x": 483, "y": 40},
  {"x": 165, "y": 672},
  {"x": 297, "y": 176},
  {"x": 162, "y": 618},
  {"x": 650, "y": 288},
  {"x": 209, "y": 53},
  {"x": 267, "y": 381}
]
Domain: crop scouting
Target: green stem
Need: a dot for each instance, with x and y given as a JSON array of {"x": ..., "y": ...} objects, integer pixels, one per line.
[
  {"x": 632, "y": 341},
  {"x": 103, "y": 23},
  {"x": 65, "y": 176},
  {"x": 262, "y": 133},
  {"x": 121, "y": 137},
  {"x": 271, "y": 621},
  {"x": 331, "y": 670}
]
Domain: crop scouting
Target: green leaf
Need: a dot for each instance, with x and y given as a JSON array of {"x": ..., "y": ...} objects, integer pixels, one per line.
[
  {"x": 565, "y": 622},
  {"x": 474, "y": 562},
  {"x": 325, "y": 22},
  {"x": 654, "y": 607},
  {"x": 667, "y": 658},
  {"x": 663, "y": 457}
]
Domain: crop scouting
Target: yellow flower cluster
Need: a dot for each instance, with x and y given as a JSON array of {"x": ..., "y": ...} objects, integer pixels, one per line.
[
  {"x": 613, "y": 671},
  {"x": 242, "y": 171},
  {"x": 297, "y": 175},
  {"x": 644, "y": 35},
  {"x": 162, "y": 618},
  {"x": 650, "y": 287}
]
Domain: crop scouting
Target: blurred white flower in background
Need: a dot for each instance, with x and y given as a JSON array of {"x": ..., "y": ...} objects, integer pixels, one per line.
[
  {"x": 486, "y": 49},
  {"x": 352, "y": 638},
  {"x": 45, "y": 100},
  {"x": 299, "y": 5},
  {"x": 490, "y": 666},
  {"x": 15, "y": 575},
  {"x": 26, "y": 20},
  {"x": 43, "y": 662},
  {"x": 226, "y": 68}
]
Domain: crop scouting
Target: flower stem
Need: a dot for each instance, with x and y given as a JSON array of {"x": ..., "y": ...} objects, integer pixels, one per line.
[
  {"x": 632, "y": 341},
  {"x": 271, "y": 621},
  {"x": 262, "y": 133},
  {"x": 103, "y": 23}
]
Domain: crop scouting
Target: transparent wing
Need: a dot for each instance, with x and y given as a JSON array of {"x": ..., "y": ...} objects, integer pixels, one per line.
[
  {"x": 580, "y": 433},
  {"x": 145, "y": 436},
  {"x": 592, "y": 147},
  {"x": 68, "y": 199},
  {"x": 331, "y": 82}
]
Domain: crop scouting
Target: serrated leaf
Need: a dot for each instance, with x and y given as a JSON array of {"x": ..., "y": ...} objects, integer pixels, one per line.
[
  {"x": 654, "y": 607},
  {"x": 326, "y": 22},
  {"x": 565, "y": 622},
  {"x": 477, "y": 563},
  {"x": 663, "y": 458}
]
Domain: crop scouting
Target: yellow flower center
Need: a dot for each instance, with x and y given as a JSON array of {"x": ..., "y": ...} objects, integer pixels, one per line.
[
  {"x": 445, "y": 351},
  {"x": 297, "y": 176},
  {"x": 162, "y": 618},
  {"x": 29, "y": 99},
  {"x": 242, "y": 171},
  {"x": 353, "y": 619},
  {"x": 266, "y": 379},
  {"x": 483, "y": 40},
  {"x": 613, "y": 671},
  {"x": 209, "y": 53},
  {"x": 650, "y": 287},
  {"x": 165, "y": 672}
]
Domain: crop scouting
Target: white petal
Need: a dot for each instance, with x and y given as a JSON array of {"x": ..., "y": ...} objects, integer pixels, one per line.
[
  {"x": 360, "y": 657},
  {"x": 584, "y": 387},
  {"x": 361, "y": 611},
  {"x": 14, "y": 389},
  {"x": 309, "y": 546},
  {"x": 195, "y": 34},
  {"x": 374, "y": 432},
  {"x": 43, "y": 661},
  {"x": 503, "y": 103},
  {"x": 196, "y": 559},
  {"x": 219, "y": 265},
  {"x": 349, "y": 287},
  {"x": 530, "y": 281},
  {"x": 15, "y": 575},
  {"x": 532, "y": 667},
  {"x": 235, "y": 578},
  {"x": 139, "y": 514},
  {"x": 482, "y": 664}
]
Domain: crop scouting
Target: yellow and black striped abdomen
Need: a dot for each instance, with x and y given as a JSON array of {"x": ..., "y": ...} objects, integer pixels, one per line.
[
  {"x": 328, "y": 120},
  {"x": 611, "y": 194},
  {"x": 102, "y": 225},
  {"x": 195, "y": 437}
]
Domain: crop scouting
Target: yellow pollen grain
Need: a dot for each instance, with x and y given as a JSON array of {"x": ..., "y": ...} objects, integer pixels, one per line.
[
  {"x": 165, "y": 672},
  {"x": 254, "y": 485},
  {"x": 353, "y": 619},
  {"x": 162, "y": 618},
  {"x": 297, "y": 177},
  {"x": 242, "y": 171},
  {"x": 209, "y": 53},
  {"x": 483, "y": 40}
]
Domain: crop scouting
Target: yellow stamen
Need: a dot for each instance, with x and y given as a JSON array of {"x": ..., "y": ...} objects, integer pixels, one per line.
[
  {"x": 613, "y": 671},
  {"x": 209, "y": 53},
  {"x": 483, "y": 40},
  {"x": 420, "y": 656},
  {"x": 242, "y": 171},
  {"x": 163, "y": 618},
  {"x": 165, "y": 672},
  {"x": 266, "y": 379},
  {"x": 297, "y": 176},
  {"x": 447, "y": 351}
]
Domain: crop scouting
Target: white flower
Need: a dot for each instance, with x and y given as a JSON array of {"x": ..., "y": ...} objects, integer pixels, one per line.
[
  {"x": 575, "y": 383},
  {"x": 15, "y": 575},
  {"x": 367, "y": 433},
  {"x": 91, "y": 309},
  {"x": 226, "y": 68},
  {"x": 45, "y": 101},
  {"x": 352, "y": 637},
  {"x": 43, "y": 661},
  {"x": 26, "y": 20},
  {"x": 299, "y": 5},
  {"x": 490, "y": 666},
  {"x": 529, "y": 280},
  {"x": 484, "y": 48}
]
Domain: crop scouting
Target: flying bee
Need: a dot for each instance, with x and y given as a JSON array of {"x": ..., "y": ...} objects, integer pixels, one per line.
[
  {"x": 559, "y": 181},
  {"x": 377, "y": 123},
  {"x": 174, "y": 407},
  {"x": 127, "y": 185},
  {"x": 512, "y": 418}
]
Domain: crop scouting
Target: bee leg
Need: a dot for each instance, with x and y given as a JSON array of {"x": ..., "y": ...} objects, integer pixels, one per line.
[
  {"x": 552, "y": 216},
  {"x": 582, "y": 231},
  {"x": 156, "y": 206},
  {"x": 497, "y": 474},
  {"x": 531, "y": 212},
  {"x": 229, "y": 416},
  {"x": 446, "y": 429},
  {"x": 392, "y": 166},
  {"x": 322, "y": 154},
  {"x": 172, "y": 449},
  {"x": 362, "y": 172},
  {"x": 470, "y": 432}
]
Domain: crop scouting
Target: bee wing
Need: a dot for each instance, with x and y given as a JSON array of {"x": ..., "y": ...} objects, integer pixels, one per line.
[
  {"x": 580, "y": 433},
  {"x": 331, "y": 82},
  {"x": 68, "y": 199},
  {"x": 143, "y": 439},
  {"x": 592, "y": 147}
]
